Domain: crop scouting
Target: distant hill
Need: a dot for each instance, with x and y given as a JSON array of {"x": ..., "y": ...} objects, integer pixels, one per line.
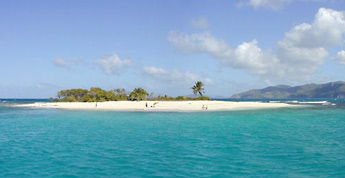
[{"x": 328, "y": 90}]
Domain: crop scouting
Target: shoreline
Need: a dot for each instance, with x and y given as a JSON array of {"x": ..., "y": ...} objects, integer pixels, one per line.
[{"x": 158, "y": 106}]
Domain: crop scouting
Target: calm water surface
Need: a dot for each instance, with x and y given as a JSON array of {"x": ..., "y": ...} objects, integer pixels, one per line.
[{"x": 303, "y": 142}]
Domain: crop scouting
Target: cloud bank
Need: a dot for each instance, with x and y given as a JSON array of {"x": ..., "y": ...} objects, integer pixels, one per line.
[
  {"x": 340, "y": 57},
  {"x": 297, "y": 56},
  {"x": 112, "y": 65},
  {"x": 174, "y": 76}
]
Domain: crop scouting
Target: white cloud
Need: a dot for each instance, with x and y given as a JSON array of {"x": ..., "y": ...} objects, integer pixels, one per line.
[
  {"x": 61, "y": 63},
  {"x": 298, "y": 55},
  {"x": 199, "y": 43},
  {"x": 270, "y": 4},
  {"x": 200, "y": 23},
  {"x": 306, "y": 45},
  {"x": 67, "y": 63},
  {"x": 340, "y": 57},
  {"x": 327, "y": 30},
  {"x": 247, "y": 56},
  {"x": 112, "y": 65},
  {"x": 174, "y": 76}
]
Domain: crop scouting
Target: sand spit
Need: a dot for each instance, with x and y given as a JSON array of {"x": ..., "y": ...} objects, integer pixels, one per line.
[{"x": 189, "y": 106}]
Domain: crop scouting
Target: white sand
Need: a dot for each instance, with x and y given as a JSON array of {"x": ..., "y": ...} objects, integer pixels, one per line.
[{"x": 159, "y": 106}]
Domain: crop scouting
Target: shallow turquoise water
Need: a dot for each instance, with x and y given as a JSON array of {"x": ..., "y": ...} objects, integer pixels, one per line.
[{"x": 307, "y": 142}]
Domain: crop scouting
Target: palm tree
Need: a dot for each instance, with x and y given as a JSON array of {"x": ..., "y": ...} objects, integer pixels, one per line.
[
  {"x": 198, "y": 88},
  {"x": 139, "y": 94}
]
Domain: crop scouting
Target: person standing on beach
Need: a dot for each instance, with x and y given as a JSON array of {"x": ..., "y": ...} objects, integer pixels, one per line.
[
  {"x": 146, "y": 104},
  {"x": 96, "y": 104}
]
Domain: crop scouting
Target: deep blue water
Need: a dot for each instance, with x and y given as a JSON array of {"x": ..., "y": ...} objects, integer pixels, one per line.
[{"x": 291, "y": 142}]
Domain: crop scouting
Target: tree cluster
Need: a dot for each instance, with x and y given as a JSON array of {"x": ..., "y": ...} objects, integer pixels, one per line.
[
  {"x": 93, "y": 95},
  {"x": 96, "y": 94}
]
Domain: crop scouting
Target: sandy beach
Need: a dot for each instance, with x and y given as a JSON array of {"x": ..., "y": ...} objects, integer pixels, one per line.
[{"x": 159, "y": 105}]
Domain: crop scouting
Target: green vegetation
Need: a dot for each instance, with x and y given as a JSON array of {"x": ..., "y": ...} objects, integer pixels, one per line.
[
  {"x": 317, "y": 91},
  {"x": 138, "y": 94},
  {"x": 92, "y": 95},
  {"x": 198, "y": 88}
]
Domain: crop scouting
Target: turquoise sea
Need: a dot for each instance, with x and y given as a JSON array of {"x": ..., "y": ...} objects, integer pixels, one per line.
[{"x": 292, "y": 142}]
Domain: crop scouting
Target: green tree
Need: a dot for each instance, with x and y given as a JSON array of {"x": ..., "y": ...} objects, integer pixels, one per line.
[
  {"x": 61, "y": 94},
  {"x": 121, "y": 93},
  {"x": 198, "y": 88},
  {"x": 111, "y": 96},
  {"x": 138, "y": 94},
  {"x": 86, "y": 98},
  {"x": 98, "y": 94},
  {"x": 72, "y": 94}
]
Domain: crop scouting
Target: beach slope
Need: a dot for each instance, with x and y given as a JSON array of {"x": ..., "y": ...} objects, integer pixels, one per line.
[{"x": 158, "y": 105}]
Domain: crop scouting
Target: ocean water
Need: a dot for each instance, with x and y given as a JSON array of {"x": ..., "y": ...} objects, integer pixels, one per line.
[{"x": 290, "y": 142}]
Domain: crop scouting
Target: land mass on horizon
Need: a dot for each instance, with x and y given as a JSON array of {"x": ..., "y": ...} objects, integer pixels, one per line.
[{"x": 312, "y": 91}]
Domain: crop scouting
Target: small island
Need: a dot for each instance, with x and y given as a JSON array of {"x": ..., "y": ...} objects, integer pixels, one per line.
[{"x": 140, "y": 100}]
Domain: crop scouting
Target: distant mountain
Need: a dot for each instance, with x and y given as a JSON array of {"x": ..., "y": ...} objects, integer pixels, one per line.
[{"x": 328, "y": 90}]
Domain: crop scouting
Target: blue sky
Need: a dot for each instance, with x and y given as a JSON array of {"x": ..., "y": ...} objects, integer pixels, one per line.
[{"x": 165, "y": 46}]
